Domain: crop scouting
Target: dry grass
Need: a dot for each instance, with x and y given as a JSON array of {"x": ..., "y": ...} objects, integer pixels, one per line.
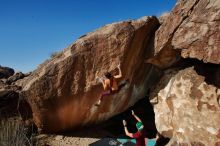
[
  {"x": 55, "y": 54},
  {"x": 14, "y": 133}
]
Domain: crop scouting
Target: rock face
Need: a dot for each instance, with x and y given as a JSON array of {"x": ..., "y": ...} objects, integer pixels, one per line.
[
  {"x": 5, "y": 72},
  {"x": 191, "y": 30},
  {"x": 62, "y": 91},
  {"x": 186, "y": 100},
  {"x": 198, "y": 35},
  {"x": 8, "y": 99},
  {"x": 15, "y": 77},
  {"x": 9, "y": 93},
  {"x": 187, "y": 109}
]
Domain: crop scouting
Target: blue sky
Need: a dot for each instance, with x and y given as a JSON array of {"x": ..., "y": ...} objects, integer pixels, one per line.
[{"x": 30, "y": 30}]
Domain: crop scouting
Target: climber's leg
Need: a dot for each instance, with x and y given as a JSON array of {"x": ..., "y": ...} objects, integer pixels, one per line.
[{"x": 105, "y": 93}]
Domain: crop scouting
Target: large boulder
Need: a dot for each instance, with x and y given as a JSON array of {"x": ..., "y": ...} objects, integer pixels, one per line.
[
  {"x": 186, "y": 101},
  {"x": 15, "y": 77},
  {"x": 6, "y": 72},
  {"x": 187, "y": 109},
  {"x": 8, "y": 99},
  {"x": 190, "y": 31},
  {"x": 63, "y": 91},
  {"x": 198, "y": 36},
  {"x": 9, "y": 93}
]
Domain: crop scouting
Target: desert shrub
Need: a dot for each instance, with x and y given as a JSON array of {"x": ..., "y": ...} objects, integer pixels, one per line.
[
  {"x": 14, "y": 133},
  {"x": 55, "y": 54}
]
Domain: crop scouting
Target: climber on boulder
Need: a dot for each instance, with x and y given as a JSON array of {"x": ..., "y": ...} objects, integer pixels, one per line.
[{"x": 110, "y": 84}]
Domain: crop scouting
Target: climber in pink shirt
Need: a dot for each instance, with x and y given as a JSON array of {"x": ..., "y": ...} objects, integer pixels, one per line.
[{"x": 110, "y": 84}]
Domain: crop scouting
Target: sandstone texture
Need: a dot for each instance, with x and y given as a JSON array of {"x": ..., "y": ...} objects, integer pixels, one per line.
[
  {"x": 6, "y": 72},
  {"x": 186, "y": 99},
  {"x": 9, "y": 92},
  {"x": 8, "y": 99},
  {"x": 187, "y": 109},
  {"x": 63, "y": 91},
  {"x": 191, "y": 30}
]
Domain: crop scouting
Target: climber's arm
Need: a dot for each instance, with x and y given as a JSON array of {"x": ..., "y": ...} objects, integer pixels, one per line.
[
  {"x": 120, "y": 74},
  {"x": 128, "y": 133},
  {"x": 136, "y": 117},
  {"x": 126, "y": 129}
]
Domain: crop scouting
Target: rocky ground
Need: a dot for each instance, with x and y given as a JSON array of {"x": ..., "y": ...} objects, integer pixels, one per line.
[{"x": 60, "y": 140}]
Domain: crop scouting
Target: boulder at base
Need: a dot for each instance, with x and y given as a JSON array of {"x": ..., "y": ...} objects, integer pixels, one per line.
[
  {"x": 187, "y": 109},
  {"x": 63, "y": 91}
]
